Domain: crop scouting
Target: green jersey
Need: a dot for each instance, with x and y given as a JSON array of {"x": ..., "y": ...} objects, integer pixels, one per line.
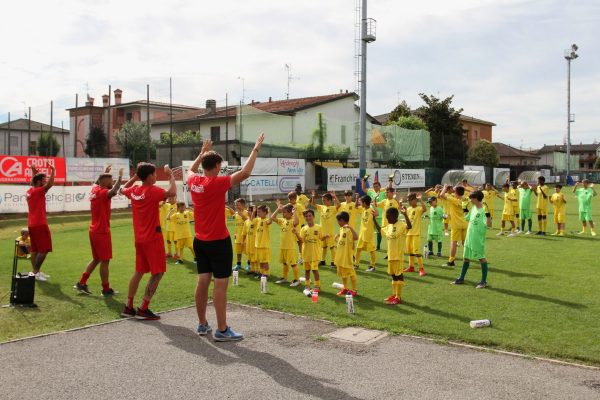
[
  {"x": 380, "y": 197},
  {"x": 584, "y": 198},
  {"x": 436, "y": 224},
  {"x": 476, "y": 231},
  {"x": 525, "y": 198}
]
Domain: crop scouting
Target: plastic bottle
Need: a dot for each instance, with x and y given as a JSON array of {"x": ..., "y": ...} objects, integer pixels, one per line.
[
  {"x": 350, "y": 303},
  {"x": 480, "y": 323},
  {"x": 302, "y": 279},
  {"x": 235, "y": 277},
  {"x": 337, "y": 285},
  {"x": 315, "y": 296},
  {"x": 263, "y": 284},
  {"x": 425, "y": 252}
]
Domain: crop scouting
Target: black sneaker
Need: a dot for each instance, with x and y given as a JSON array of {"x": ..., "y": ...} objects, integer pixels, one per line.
[
  {"x": 458, "y": 281},
  {"x": 82, "y": 288},
  {"x": 332, "y": 265},
  {"x": 109, "y": 292},
  {"x": 449, "y": 264},
  {"x": 321, "y": 263},
  {"x": 128, "y": 312},
  {"x": 146, "y": 315},
  {"x": 539, "y": 233}
]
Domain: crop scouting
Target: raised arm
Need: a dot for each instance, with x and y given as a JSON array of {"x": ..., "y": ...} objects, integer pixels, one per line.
[
  {"x": 354, "y": 234},
  {"x": 295, "y": 215},
  {"x": 408, "y": 223},
  {"x": 246, "y": 170},
  {"x": 172, "y": 191},
  {"x": 576, "y": 187},
  {"x": 443, "y": 192},
  {"x": 115, "y": 189},
  {"x": 206, "y": 146},
  {"x": 50, "y": 181},
  {"x": 363, "y": 184},
  {"x": 277, "y": 210},
  {"x": 336, "y": 202},
  {"x": 313, "y": 196}
]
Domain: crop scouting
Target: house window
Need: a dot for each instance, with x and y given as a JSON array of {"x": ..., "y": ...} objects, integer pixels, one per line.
[
  {"x": 14, "y": 141},
  {"x": 215, "y": 133},
  {"x": 128, "y": 116},
  {"x": 343, "y": 134},
  {"x": 33, "y": 147}
]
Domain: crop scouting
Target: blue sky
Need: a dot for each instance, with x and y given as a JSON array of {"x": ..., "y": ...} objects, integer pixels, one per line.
[{"x": 503, "y": 60}]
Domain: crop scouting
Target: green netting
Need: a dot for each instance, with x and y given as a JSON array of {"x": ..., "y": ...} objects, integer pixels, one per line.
[
  {"x": 560, "y": 162},
  {"x": 455, "y": 176},
  {"x": 396, "y": 143}
]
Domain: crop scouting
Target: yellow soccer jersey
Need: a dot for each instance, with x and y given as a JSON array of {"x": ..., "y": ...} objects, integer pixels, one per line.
[
  {"x": 345, "y": 249},
  {"x": 27, "y": 241},
  {"x": 415, "y": 215},
  {"x": 311, "y": 242},
  {"x": 515, "y": 199},
  {"x": 558, "y": 203},
  {"x": 249, "y": 234},
  {"x": 239, "y": 226},
  {"x": 352, "y": 209},
  {"x": 542, "y": 202},
  {"x": 163, "y": 211},
  {"x": 509, "y": 200},
  {"x": 181, "y": 224},
  {"x": 288, "y": 239},
  {"x": 455, "y": 213},
  {"x": 387, "y": 204},
  {"x": 303, "y": 199},
  {"x": 488, "y": 198},
  {"x": 367, "y": 226},
  {"x": 300, "y": 212},
  {"x": 396, "y": 240},
  {"x": 327, "y": 220},
  {"x": 263, "y": 233},
  {"x": 228, "y": 213}
]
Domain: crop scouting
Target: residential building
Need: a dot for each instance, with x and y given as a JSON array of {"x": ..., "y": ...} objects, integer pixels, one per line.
[
  {"x": 511, "y": 156},
  {"x": 20, "y": 137},
  {"x": 112, "y": 115},
  {"x": 555, "y": 157},
  {"x": 587, "y": 154}
]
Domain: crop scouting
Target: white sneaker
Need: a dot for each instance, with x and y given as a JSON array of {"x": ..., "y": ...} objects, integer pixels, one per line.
[
  {"x": 300, "y": 261},
  {"x": 40, "y": 277},
  {"x": 446, "y": 233},
  {"x": 517, "y": 231},
  {"x": 528, "y": 233},
  {"x": 500, "y": 233},
  {"x": 511, "y": 235},
  {"x": 44, "y": 275},
  {"x": 294, "y": 283}
]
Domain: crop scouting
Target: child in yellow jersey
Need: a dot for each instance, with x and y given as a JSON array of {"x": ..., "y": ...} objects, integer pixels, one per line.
[
  {"x": 489, "y": 195},
  {"x": 415, "y": 213},
  {"x": 389, "y": 202},
  {"x": 262, "y": 239},
  {"x": 458, "y": 223},
  {"x": 395, "y": 232},
  {"x": 343, "y": 257},
  {"x": 543, "y": 193},
  {"x": 287, "y": 252},
  {"x": 327, "y": 213},
  {"x": 164, "y": 209},
  {"x": 366, "y": 237},
  {"x": 311, "y": 236},
  {"x": 24, "y": 244},
  {"x": 180, "y": 219},
  {"x": 240, "y": 216},
  {"x": 299, "y": 207},
  {"x": 229, "y": 212},
  {"x": 559, "y": 205},
  {"x": 349, "y": 206},
  {"x": 514, "y": 194},
  {"x": 508, "y": 212},
  {"x": 249, "y": 238}
]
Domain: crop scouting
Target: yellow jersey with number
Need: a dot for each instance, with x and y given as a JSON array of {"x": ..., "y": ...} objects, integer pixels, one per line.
[
  {"x": 263, "y": 233},
  {"x": 239, "y": 221},
  {"x": 311, "y": 242},
  {"x": 455, "y": 213},
  {"x": 327, "y": 218},
  {"x": 367, "y": 226},
  {"x": 415, "y": 216},
  {"x": 396, "y": 240},
  {"x": 345, "y": 249},
  {"x": 287, "y": 237}
]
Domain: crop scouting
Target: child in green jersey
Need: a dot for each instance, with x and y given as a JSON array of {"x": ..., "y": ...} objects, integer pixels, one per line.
[
  {"x": 584, "y": 193},
  {"x": 525, "y": 206},
  {"x": 435, "y": 231}
]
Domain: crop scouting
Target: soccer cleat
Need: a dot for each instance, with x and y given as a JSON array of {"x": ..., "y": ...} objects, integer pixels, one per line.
[
  {"x": 179, "y": 262},
  {"x": 203, "y": 330},
  {"x": 128, "y": 312},
  {"x": 593, "y": 233},
  {"x": 394, "y": 301},
  {"x": 561, "y": 234},
  {"x": 44, "y": 275},
  {"x": 528, "y": 233},
  {"x": 500, "y": 233},
  {"x": 332, "y": 265},
  {"x": 555, "y": 233},
  {"x": 511, "y": 235},
  {"x": 82, "y": 288},
  {"x": 227, "y": 336},
  {"x": 354, "y": 293},
  {"x": 109, "y": 292},
  {"x": 579, "y": 233},
  {"x": 370, "y": 269},
  {"x": 543, "y": 233},
  {"x": 321, "y": 263},
  {"x": 40, "y": 277},
  {"x": 356, "y": 267},
  {"x": 422, "y": 272},
  {"x": 236, "y": 267},
  {"x": 282, "y": 280},
  {"x": 294, "y": 283},
  {"x": 449, "y": 264},
  {"x": 146, "y": 315},
  {"x": 343, "y": 292},
  {"x": 385, "y": 258},
  {"x": 446, "y": 233},
  {"x": 439, "y": 254},
  {"x": 409, "y": 269},
  {"x": 538, "y": 233},
  {"x": 429, "y": 253},
  {"x": 307, "y": 292},
  {"x": 481, "y": 285},
  {"x": 169, "y": 255},
  {"x": 386, "y": 301},
  {"x": 458, "y": 281}
]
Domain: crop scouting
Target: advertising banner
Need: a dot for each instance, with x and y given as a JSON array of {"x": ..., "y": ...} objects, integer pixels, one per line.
[
  {"x": 88, "y": 169},
  {"x": 345, "y": 178},
  {"x": 263, "y": 166},
  {"x": 257, "y": 185},
  {"x": 17, "y": 169},
  {"x": 341, "y": 178},
  {"x": 291, "y": 166}
]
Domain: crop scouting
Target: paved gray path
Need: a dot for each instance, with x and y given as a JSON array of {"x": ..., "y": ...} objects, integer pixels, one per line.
[{"x": 282, "y": 358}]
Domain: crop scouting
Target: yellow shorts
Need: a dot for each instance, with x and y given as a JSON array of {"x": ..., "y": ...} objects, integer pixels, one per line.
[
  {"x": 542, "y": 211},
  {"x": 346, "y": 272},
  {"x": 458, "y": 235},
  {"x": 311, "y": 265},
  {"x": 239, "y": 248},
  {"x": 508, "y": 217},
  {"x": 328, "y": 242},
  {"x": 366, "y": 246},
  {"x": 413, "y": 244},
  {"x": 263, "y": 255},
  {"x": 171, "y": 236},
  {"x": 252, "y": 257},
  {"x": 394, "y": 267},
  {"x": 446, "y": 221},
  {"x": 559, "y": 218},
  {"x": 288, "y": 257},
  {"x": 185, "y": 242}
]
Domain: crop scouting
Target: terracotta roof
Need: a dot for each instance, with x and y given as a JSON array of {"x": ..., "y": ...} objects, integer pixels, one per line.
[
  {"x": 383, "y": 118},
  {"x": 289, "y": 106},
  {"x": 563, "y": 148},
  {"x": 22, "y": 124},
  {"x": 141, "y": 103},
  {"x": 505, "y": 150}
]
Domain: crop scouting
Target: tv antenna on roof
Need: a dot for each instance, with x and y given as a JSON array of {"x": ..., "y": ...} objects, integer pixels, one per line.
[{"x": 288, "y": 68}]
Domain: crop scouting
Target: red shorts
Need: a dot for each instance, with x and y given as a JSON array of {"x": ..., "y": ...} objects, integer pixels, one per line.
[
  {"x": 101, "y": 246},
  {"x": 150, "y": 256},
  {"x": 41, "y": 241}
]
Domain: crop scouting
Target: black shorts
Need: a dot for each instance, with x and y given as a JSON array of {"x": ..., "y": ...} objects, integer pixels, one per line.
[{"x": 214, "y": 257}]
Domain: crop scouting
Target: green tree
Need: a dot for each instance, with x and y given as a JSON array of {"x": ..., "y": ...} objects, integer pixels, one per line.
[
  {"x": 401, "y": 110},
  {"x": 410, "y": 122},
  {"x": 483, "y": 153},
  {"x": 319, "y": 135},
  {"x": 48, "y": 145},
  {"x": 597, "y": 163},
  {"x": 187, "y": 137},
  {"x": 134, "y": 142},
  {"x": 95, "y": 143},
  {"x": 448, "y": 144}
]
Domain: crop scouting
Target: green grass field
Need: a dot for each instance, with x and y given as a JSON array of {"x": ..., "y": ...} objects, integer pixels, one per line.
[{"x": 543, "y": 296}]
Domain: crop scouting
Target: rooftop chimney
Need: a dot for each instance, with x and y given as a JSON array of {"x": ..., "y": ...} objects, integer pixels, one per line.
[
  {"x": 211, "y": 106},
  {"x": 118, "y": 94},
  {"x": 104, "y": 100},
  {"x": 270, "y": 100},
  {"x": 90, "y": 101}
]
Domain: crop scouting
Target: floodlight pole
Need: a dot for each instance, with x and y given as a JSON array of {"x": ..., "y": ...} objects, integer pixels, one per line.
[
  {"x": 570, "y": 55},
  {"x": 362, "y": 164}
]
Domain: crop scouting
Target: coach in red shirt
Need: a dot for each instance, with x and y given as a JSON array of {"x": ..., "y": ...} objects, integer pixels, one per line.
[
  {"x": 212, "y": 244},
  {"x": 41, "y": 240},
  {"x": 100, "y": 239}
]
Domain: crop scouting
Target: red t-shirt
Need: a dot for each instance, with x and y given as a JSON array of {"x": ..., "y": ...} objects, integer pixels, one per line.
[
  {"x": 144, "y": 203},
  {"x": 36, "y": 202},
  {"x": 100, "y": 206},
  {"x": 208, "y": 196}
]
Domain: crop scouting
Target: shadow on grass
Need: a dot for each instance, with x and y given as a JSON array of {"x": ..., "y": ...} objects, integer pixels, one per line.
[
  {"x": 537, "y": 297},
  {"x": 54, "y": 290},
  {"x": 281, "y": 371},
  {"x": 114, "y": 304},
  {"x": 512, "y": 274},
  {"x": 575, "y": 236},
  {"x": 437, "y": 313}
]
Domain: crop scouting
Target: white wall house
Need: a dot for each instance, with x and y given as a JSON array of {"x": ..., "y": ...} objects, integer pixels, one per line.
[{"x": 21, "y": 138}]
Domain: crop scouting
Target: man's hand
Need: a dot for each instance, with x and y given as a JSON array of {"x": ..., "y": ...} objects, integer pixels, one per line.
[
  {"x": 206, "y": 146},
  {"x": 313, "y": 193},
  {"x": 259, "y": 141},
  {"x": 121, "y": 171},
  {"x": 403, "y": 210},
  {"x": 34, "y": 170},
  {"x": 279, "y": 205},
  {"x": 168, "y": 170},
  {"x": 108, "y": 168}
]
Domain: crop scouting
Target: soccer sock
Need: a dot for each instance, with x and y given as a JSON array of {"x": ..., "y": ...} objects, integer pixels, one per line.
[
  {"x": 84, "y": 277},
  {"x": 323, "y": 253},
  {"x": 430, "y": 245},
  {"x": 295, "y": 272},
  {"x": 144, "y": 305},
  {"x": 420, "y": 261},
  {"x": 484, "y": 271},
  {"x": 130, "y": 302},
  {"x": 378, "y": 241},
  {"x": 286, "y": 271},
  {"x": 544, "y": 225},
  {"x": 399, "y": 285},
  {"x": 529, "y": 224},
  {"x": 522, "y": 224},
  {"x": 318, "y": 284},
  {"x": 345, "y": 282},
  {"x": 357, "y": 257},
  {"x": 307, "y": 283},
  {"x": 439, "y": 247},
  {"x": 411, "y": 262},
  {"x": 373, "y": 258},
  {"x": 394, "y": 289},
  {"x": 353, "y": 281},
  {"x": 540, "y": 224},
  {"x": 332, "y": 254},
  {"x": 463, "y": 272},
  {"x": 105, "y": 286}
]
